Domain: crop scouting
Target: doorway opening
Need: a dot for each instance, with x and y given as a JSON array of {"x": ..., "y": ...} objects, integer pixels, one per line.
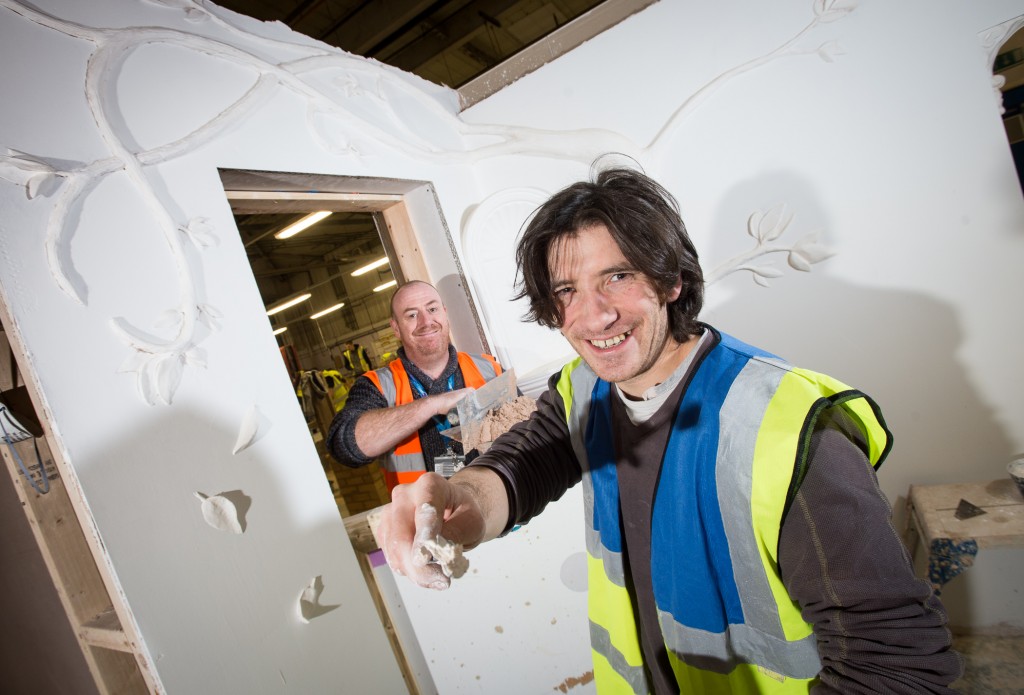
[
  {"x": 327, "y": 253},
  {"x": 1008, "y": 77}
]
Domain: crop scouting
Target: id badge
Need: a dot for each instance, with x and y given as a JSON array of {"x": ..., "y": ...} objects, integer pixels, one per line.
[{"x": 448, "y": 463}]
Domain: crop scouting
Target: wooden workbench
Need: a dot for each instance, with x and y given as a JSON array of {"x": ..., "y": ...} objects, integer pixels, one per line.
[{"x": 952, "y": 543}]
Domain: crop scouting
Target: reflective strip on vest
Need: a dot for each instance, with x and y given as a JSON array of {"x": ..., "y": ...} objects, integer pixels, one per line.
[
  {"x": 406, "y": 463},
  {"x": 764, "y": 642}
]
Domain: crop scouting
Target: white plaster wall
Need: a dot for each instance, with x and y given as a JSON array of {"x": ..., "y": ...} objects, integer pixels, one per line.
[
  {"x": 892, "y": 149},
  {"x": 150, "y": 345}
]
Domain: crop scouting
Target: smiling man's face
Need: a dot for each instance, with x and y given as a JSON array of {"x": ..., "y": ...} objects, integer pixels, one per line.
[
  {"x": 610, "y": 312},
  {"x": 420, "y": 321}
]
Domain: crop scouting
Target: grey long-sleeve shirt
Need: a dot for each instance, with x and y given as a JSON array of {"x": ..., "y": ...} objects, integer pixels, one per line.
[{"x": 878, "y": 627}]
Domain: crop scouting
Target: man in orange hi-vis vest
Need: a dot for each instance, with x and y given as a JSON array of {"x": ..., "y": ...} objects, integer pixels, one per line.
[{"x": 400, "y": 411}]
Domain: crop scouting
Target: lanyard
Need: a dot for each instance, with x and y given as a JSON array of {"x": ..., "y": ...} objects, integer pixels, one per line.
[{"x": 440, "y": 421}]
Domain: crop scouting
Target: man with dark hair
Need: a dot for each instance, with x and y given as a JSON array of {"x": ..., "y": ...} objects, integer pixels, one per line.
[
  {"x": 737, "y": 536},
  {"x": 400, "y": 410}
]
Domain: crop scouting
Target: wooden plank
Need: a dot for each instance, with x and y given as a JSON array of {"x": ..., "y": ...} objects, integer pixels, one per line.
[
  {"x": 361, "y": 528},
  {"x": 67, "y": 536},
  {"x": 104, "y": 630},
  {"x": 407, "y": 255},
  {"x": 120, "y": 673},
  {"x": 72, "y": 570},
  {"x": 545, "y": 50},
  {"x": 385, "y": 618},
  {"x": 370, "y": 201},
  {"x": 1002, "y": 525}
]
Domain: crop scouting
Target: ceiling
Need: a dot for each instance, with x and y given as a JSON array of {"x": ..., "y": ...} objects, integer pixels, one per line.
[
  {"x": 448, "y": 42},
  {"x": 282, "y": 267}
]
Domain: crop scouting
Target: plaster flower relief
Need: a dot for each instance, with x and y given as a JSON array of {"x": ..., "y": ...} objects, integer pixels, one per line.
[{"x": 345, "y": 117}]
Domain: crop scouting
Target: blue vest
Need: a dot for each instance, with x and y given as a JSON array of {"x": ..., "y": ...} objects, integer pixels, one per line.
[{"x": 735, "y": 457}]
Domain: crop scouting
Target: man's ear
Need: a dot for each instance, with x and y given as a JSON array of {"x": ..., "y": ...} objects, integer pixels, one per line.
[
  {"x": 677, "y": 290},
  {"x": 394, "y": 327}
]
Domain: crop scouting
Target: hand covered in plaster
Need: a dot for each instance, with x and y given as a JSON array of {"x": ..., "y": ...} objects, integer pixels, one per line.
[{"x": 420, "y": 513}]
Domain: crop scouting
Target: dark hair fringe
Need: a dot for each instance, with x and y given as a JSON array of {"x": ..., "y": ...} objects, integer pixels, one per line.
[{"x": 642, "y": 217}]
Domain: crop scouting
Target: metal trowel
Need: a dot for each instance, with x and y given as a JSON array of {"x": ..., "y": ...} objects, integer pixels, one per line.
[{"x": 472, "y": 409}]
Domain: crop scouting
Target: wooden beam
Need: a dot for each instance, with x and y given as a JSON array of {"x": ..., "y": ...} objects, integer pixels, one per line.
[{"x": 555, "y": 44}]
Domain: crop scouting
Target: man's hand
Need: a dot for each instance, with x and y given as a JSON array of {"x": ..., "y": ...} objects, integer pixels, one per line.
[
  {"x": 445, "y": 402},
  {"x": 468, "y": 509},
  {"x": 381, "y": 430}
]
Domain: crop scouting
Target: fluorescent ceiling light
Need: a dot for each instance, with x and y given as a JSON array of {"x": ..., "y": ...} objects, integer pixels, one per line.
[
  {"x": 279, "y": 331},
  {"x": 305, "y": 223},
  {"x": 327, "y": 310},
  {"x": 381, "y": 288},
  {"x": 370, "y": 266},
  {"x": 289, "y": 303}
]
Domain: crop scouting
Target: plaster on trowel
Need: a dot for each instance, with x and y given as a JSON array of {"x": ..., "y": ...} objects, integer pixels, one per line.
[{"x": 473, "y": 409}]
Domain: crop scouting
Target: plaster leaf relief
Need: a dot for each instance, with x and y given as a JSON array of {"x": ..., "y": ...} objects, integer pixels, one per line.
[
  {"x": 831, "y": 10},
  {"x": 158, "y": 374},
  {"x": 192, "y": 13},
  {"x": 226, "y": 511},
  {"x": 24, "y": 170},
  {"x": 334, "y": 87},
  {"x": 248, "y": 432},
  {"x": 200, "y": 232},
  {"x": 209, "y": 316},
  {"x": 309, "y": 605},
  {"x": 766, "y": 227}
]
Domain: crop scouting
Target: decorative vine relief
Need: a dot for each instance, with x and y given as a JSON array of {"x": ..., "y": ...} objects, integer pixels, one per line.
[
  {"x": 766, "y": 228},
  {"x": 350, "y": 115}
]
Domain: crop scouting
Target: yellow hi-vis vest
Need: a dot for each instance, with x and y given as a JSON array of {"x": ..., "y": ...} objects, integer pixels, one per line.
[
  {"x": 356, "y": 360},
  {"x": 736, "y": 456},
  {"x": 336, "y": 384},
  {"x": 406, "y": 463}
]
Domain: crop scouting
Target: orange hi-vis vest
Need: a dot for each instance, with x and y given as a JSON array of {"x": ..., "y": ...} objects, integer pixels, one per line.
[{"x": 406, "y": 463}]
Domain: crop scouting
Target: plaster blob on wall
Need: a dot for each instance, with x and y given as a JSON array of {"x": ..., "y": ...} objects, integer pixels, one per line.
[
  {"x": 223, "y": 513},
  {"x": 309, "y": 601}
]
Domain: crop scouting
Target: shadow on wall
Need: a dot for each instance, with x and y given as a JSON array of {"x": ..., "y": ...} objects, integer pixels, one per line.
[
  {"x": 218, "y": 602},
  {"x": 899, "y": 347}
]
